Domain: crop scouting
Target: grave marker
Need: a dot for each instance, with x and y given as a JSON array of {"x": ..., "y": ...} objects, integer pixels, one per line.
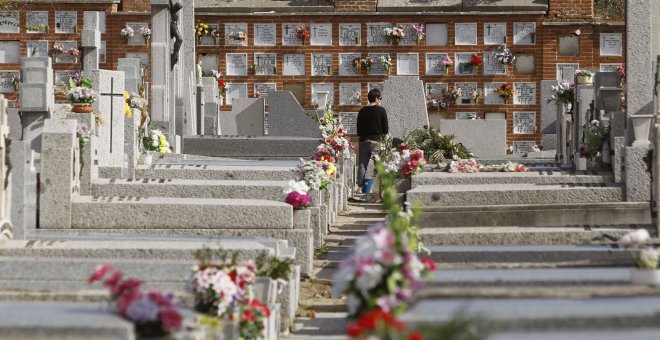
[
  {"x": 9, "y": 52},
  {"x": 524, "y": 93},
  {"x": 350, "y": 93},
  {"x": 66, "y": 22},
  {"x": 110, "y": 104},
  {"x": 494, "y": 33},
  {"x": 350, "y": 34},
  {"x": 36, "y": 21},
  {"x": 233, "y": 29},
  {"x": 36, "y": 48},
  {"x": 405, "y": 102},
  {"x": 524, "y": 33},
  {"x": 137, "y": 38},
  {"x": 566, "y": 72},
  {"x": 407, "y": 64},
  {"x": 465, "y": 34},
  {"x": 235, "y": 90},
  {"x": 62, "y": 58},
  {"x": 611, "y": 44},
  {"x": 434, "y": 66},
  {"x": 246, "y": 118},
  {"x": 236, "y": 64},
  {"x": 261, "y": 90},
  {"x": 523, "y": 146},
  {"x": 435, "y": 90},
  {"x": 410, "y": 35},
  {"x": 294, "y": 65},
  {"x": 461, "y": 64},
  {"x": 466, "y": 98},
  {"x": 376, "y": 35},
  {"x": 492, "y": 65},
  {"x": 321, "y": 64},
  {"x": 265, "y": 64},
  {"x": 524, "y": 123},
  {"x": 436, "y": 34},
  {"x": 91, "y": 41},
  {"x": 379, "y": 86},
  {"x": 7, "y": 81},
  {"x": 264, "y": 35},
  {"x": 287, "y": 117},
  {"x": 289, "y": 35},
  {"x": 320, "y": 34},
  {"x": 349, "y": 122},
  {"x": 490, "y": 96},
  {"x": 323, "y": 87},
  {"x": 10, "y": 22},
  {"x": 346, "y": 66},
  {"x": 569, "y": 45},
  {"x": 524, "y": 63},
  {"x": 378, "y": 67}
]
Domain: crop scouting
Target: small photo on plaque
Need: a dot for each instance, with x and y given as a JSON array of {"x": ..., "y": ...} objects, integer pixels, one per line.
[{"x": 66, "y": 22}]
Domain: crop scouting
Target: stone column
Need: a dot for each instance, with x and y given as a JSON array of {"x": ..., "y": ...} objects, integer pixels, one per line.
[
  {"x": 548, "y": 116},
  {"x": 160, "y": 60},
  {"x": 91, "y": 42}
]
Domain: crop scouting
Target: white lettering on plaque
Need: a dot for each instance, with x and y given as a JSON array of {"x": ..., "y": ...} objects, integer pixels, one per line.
[
  {"x": 436, "y": 34},
  {"x": 350, "y": 34},
  {"x": 524, "y": 93},
  {"x": 66, "y": 22},
  {"x": 321, "y": 87},
  {"x": 264, "y": 35},
  {"x": 377, "y": 66},
  {"x": 434, "y": 66},
  {"x": 265, "y": 64},
  {"x": 235, "y": 90},
  {"x": 494, "y": 33},
  {"x": 293, "y": 65},
  {"x": 376, "y": 34},
  {"x": 321, "y": 34},
  {"x": 490, "y": 96},
  {"x": 350, "y": 93},
  {"x": 237, "y": 64},
  {"x": 36, "y": 22},
  {"x": 36, "y": 48},
  {"x": 407, "y": 64},
  {"x": 346, "y": 65},
  {"x": 466, "y": 34},
  {"x": 321, "y": 64},
  {"x": 290, "y": 35},
  {"x": 610, "y": 44},
  {"x": 10, "y": 22},
  {"x": 524, "y": 33},
  {"x": 524, "y": 123}
]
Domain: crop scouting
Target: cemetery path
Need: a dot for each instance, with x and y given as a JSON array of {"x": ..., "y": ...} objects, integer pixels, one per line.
[{"x": 321, "y": 316}]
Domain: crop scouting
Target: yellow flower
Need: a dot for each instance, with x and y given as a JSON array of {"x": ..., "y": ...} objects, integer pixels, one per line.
[
  {"x": 331, "y": 168},
  {"x": 128, "y": 112}
]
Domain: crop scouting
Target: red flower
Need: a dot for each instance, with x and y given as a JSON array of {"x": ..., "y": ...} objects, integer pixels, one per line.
[
  {"x": 170, "y": 319},
  {"x": 353, "y": 330},
  {"x": 124, "y": 301},
  {"x": 426, "y": 126},
  {"x": 128, "y": 286},
  {"x": 428, "y": 262},
  {"x": 99, "y": 272},
  {"x": 476, "y": 60},
  {"x": 113, "y": 280},
  {"x": 403, "y": 147},
  {"x": 415, "y": 336}
]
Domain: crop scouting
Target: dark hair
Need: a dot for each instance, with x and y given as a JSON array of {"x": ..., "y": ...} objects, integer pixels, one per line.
[{"x": 373, "y": 95}]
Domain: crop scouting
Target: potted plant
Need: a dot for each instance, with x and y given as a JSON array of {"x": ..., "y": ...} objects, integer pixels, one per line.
[
  {"x": 584, "y": 77},
  {"x": 82, "y": 98}
]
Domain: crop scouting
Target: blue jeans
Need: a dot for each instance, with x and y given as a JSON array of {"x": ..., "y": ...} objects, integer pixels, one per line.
[{"x": 365, "y": 157}]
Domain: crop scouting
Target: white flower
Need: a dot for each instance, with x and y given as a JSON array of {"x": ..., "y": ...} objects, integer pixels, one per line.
[
  {"x": 342, "y": 279},
  {"x": 223, "y": 284},
  {"x": 635, "y": 237},
  {"x": 299, "y": 186},
  {"x": 369, "y": 278}
]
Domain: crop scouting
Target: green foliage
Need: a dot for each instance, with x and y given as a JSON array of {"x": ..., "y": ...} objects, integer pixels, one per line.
[
  {"x": 437, "y": 147},
  {"x": 595, "y": 136},
  {"x": 206, "y": 256},
  {"x": 272, "y": 267}
]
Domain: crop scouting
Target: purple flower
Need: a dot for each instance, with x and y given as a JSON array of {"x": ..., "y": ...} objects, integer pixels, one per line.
[{"x": 142, "y": 310}]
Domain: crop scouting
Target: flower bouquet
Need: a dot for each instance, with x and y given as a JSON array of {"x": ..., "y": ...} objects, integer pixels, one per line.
[
  {"x": 363, "y": 64},
  {"x": 387, "y": 63},
  {"x": 302, "y": 33},
  {"x": 475, "y": 94},
  {"x": 378, "y": 324},
  {"x": 239, "y": 36},
  {"x": 439, "y": 103},
  {"x": 584, "y": 77},
  {"x": 297, "y": 195},
  {"x": 82, "y": 99},
  {"x": 646, "y": 257},
  {"x": 411, "y": 162},
  {"x": 419, "y": 31},
  {"x": 452, "y": 94},
  {"x": 157, "y": 142},
  {"x": 145, "y": 32},
  {"x": 127, "y": 32},
  {"x": 57, "y": 49},
  {"x": 83, "y": 133},
  {"x": 153, "y": 313},
  {"x": 504, "y": 55},
  {"x": 447, "y": 63},
  {"x": 394, "y": 34},
  {"x": 465, "y": 166},
  {"x": 313, "y": 174},
  {"x": 563, "y": 94},
  {"x": 505, "y": 92}
]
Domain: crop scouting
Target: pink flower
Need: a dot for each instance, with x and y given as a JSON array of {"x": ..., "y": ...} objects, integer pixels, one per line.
[
  {"x": 170, "y": 319},
  {"x": 428, "y": 262},
  {"x": 128, "y": 286},
  {"x": 298, "y": 200},
  {"x": 99, "y": 272},
  {"x": 113, "y": 280}
]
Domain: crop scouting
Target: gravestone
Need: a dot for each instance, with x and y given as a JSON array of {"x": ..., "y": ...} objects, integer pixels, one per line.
[
  {"x": 187, "y": 63},
  {"x": 23, "y": 183},
  {"x": 132, "y": 69},
  {"x": 91, "y": 42},
  {"x": 405, "y": 102},
  {"x": 211, "y": 108},
  {"x": 287, "y": 118},
  {"x": 109, "y": 86},
  {"x": 36, "y": 98},
  {"x": 246, "y": 118},
  {"x": 548, "y": 116}
]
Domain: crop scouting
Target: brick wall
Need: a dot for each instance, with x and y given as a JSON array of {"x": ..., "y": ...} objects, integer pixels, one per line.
[
  {"x": 135, "y": 6},
  {"x": 571, "y": 10},
  {"x": 355, "y": 5}
]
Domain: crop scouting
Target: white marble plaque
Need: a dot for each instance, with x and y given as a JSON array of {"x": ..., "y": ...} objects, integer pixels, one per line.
[
  {"x": 494, "y": 33},
  {"x": 434, "y": 66},
  {"x": 66, "y": 22},
  {"x": 235, "y": 90},
  {"x": 320, "y": 34},
  {"x": 350, "y": 34},
  {"x": 495, "y": 115},
  {"x": 265, "y": 64},
  {"x": 407, "y": 64},
  {"x": 490, "y": 96},
  {"x": 7, "y": 81},
  {"x": 237, "y": 64},
  {"x": 10, "y": 22},
  {"x": 492, "y": 65},
  {"x": 349, "y": 122},
  {"x": 461, "y": 64},
  {"x": 293, "y": 65},
  {"x": 524, "y": 123},
  {"x": 525, "y": 63},
  {"x": 376, "y": 34},
  {"x": 466, "y": 34},
  {"x": 289, "y": 35},
  {"x": 209, "y": 63},
  {"x": 466, "y": 88},
  {"x": 103, "y": 53},
  {"x": 436, "y": 34},
  {"x": 137, "y": 38},
  {"x": 265, "y": 35},
  {"x": 435, "y": 90},
  {"x": 36, "y": 48},
  {"x": 346, "y": 66},
  {"x": 66, "y": 58},
  {"x": 371, "y": 86},
  {"x": 524, "y": 33},
  {"x": 610, "y": 44},
  {"x": 350, "y": 94},
  {"x": 524, "y": 93},
  {"x": 566, "y": 72},
  {"x": 377, "y": 67},
  {"x": 321, "y": 64},
  {"x": 144, "y": 58},
  {"x": 466, "y": 115},
  {"x": 321, "y": 87},
  {"x": 36, "y": 21},
  {"x": 232, "y": 32},
  {"x": 410, "y": 37},
  {"x": 609, "y": 67},
  {"x": 261, "y": 90},
  {"x": 209, "y": 40},
  {"x": 523, "y": 146}
]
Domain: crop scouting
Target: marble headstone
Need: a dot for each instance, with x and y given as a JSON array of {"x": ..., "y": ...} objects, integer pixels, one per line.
[
  {"x": 246, "y": 118},
  {"x": 110, "y": 104},
  {"x": 287, "y": 118},
  {"x": 405, "y": 102}
]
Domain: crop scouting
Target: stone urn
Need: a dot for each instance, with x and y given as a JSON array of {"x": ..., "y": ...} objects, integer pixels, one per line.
[
  {"x": 82, "y": 108},
  {"x": 645, "y": 276},
  {"x": 642, "y": 129}
]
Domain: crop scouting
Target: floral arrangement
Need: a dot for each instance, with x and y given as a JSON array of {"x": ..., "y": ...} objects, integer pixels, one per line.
[
  {"x": 334, "y": 135},
  {"x": 157, "y": 142},
  {"x": 447, "y": 62},
  {"x": 465, "y": 166},
  {"x": 83, "y": 133},
  {"x": 145, "y": 32},
  {"x": 419, "y": 31},
  {"x": 439, "y": 103},
  {"x": 58, "y": 48},
  {"x": 359, "y": 63},
  {"x": 202, "y": 29},
  {"x": 302, "y": 33},
  {"x": 82, "y": 95},
  {"x": 622, "y": 70},
  {"x": 645, "y": 257},
  {"x": 16, "y": 81},
  {"x": 436, "y": 146},
  {"x": 583, "y": 73},
  {"x": 35, "y": 28},
  {"x": 74, "y": 52},
  {"x": 475, "y": 94},
  {"x": 313, "y": 173},
  {"x": 411, "y": 162},
  {"x": 133, "y": 101},
  {"x": 505, "y": 91},
  {"x": 595, "y": 135},
  {"x": 78, "y": 78},
  {"x": 394, "y": 33},
  {"x": 476, "y": 60},
  {"x": 452, "y": 94},
  {"x": 153, "y": 313},
  {"x": 564, "y": 93},
  {"x": 387, "y": 62},
  {"x": 325, "y": 153},
  {"x": 378, "y": 324},
  {"x": 237, "y": 36},
  {"x": 222, "y": 86},
  {"x": 504, "y": 55},
  {"x": 514, "y": 167},
  {"x": 127, "y": 32},
  {"x": 297, "y": 195}
]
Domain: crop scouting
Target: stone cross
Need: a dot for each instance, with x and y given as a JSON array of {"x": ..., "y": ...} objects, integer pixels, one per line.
[
  {"x": 91, "y": 42},
  {"x": 109, "y": 86}
]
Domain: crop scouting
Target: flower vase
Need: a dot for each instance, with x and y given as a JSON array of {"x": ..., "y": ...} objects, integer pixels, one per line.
[
  {"x": 357, "y": 40},
  {"x": 642, "y": 129},
  {"x": 146, "y": 40},
  {"x": 395, "y": 42},
  {"x": 199, "y": 40},
  {"x": 585, "y": 80},
  {"x": 368, "y": 70},
  {"x": 82, "y": 108},
  {"x": 148, "y": 159},
  {"x": 420, "y": 42},
  {"x": 645, "y": 276}
]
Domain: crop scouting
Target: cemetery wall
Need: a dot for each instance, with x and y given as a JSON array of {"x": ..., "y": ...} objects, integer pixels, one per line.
[{"x": 571, "y": 10}]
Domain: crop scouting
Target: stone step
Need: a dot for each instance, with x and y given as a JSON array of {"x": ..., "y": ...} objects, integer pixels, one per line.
[
  {"x": 518, "y": 235},
  {"x": 537, "y": 215},
  {"x": 609, "y": 334},
  {"x": 215, "y": 172},
  {"x": 516, "y": 277},
  {"x": 240, "y": 189},
  {"x": 180, "y": 213},
  {"x": 583, "y": 255},
  {"x": 510, "y": 194},
  {"x": 535, "y": 314},
  {"x": 536, "y": 177},
  {"x": 252, "y": 147}
]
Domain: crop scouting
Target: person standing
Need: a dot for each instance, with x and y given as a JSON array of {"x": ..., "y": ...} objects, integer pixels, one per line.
[{"x": 371, "y": 127}]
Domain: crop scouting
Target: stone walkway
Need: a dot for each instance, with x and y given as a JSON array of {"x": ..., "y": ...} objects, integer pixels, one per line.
[{"x": 321, "y": 316}]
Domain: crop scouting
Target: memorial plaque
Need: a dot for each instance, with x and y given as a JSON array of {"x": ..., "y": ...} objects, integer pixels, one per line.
[
  {"x": 321, "y": 64},
  {"x": 321, "y": 87},
  {"x": 410, "y": 35},
  {"x": 494, "y": 33},
  {"x": 235, "y": 90},
  {"x": 436, "y": 34},
  {"x": 609, "y": 67},
  {"x": 293, "y": 65},
  {"x": 350, "y": 34},
  {"x": 66, "y": 58},
  {"x": 289, "y": 35},
  {"x": 466, "y": 98},
  {"x": 350, "y": 94},
  {"x": 232, "y": 33},
  {"x": 524, "y": 63},
  {"x": 466, "y": 115},
  {"x": 379, "y": 86},
  {"x": 569, "y": 45},
  {"x": 465, "y": 34},
  {"x": 36, "y": 21},
  {"x": 209, "y": 40},
  {"x": 524, "y": 123},
  {"x": 434, "y": 66},
  {"x": 495, "y": 115},
  {"x": 66, "y": 22},
  {"x": 36, "y": 48},
  {"x": 209, "y": 63},
  {"x": 62, "y": 77},
  {"x": 566, "y": 72},
  {"x": 236, "y": 64},
  {"x": 144, "y": 58},
  {"x": 462, "y": 64},
  {"x": 407, "y": 64},
  {"x": 610, "y": 44},
  {"x": 346, "y": 66},
  {"x": 492, "y": 65},
  {"x": 103, "y": 54},
  {"x": 524, "y": 93},
  {"x": 265, "y": 64},
  {"x": 524, "y": 33},
  {"x": 10, "y": 22},
  {"x": 265, "y": 35},
  {"x": 490, "y": 96},
  {"x": 137, "y": 38},
  {"x": 320, "y": 34},
  {"x": 523, "y": 146},
  {"x": 435, "y": 90},
  {"x": 349, "y": 122},
  {"x": 261, "y": 90},
  {"x": 377, "y": 67},
  {"x": 376, "y": 34},
  {"x": 7, "y": 81},
  {"x": 298, "y": 90}
]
